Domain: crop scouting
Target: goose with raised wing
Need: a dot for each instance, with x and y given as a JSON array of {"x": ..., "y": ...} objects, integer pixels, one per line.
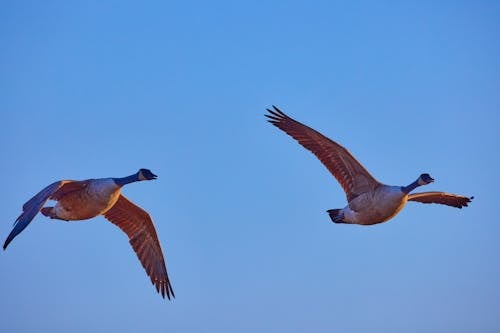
[
  {"x": 82, "y": 200},
  {"x": 369, "y": 201}
]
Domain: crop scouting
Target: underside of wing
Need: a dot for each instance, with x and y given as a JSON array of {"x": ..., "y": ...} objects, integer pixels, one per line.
[
  {"x": 138, "y": 226},
  {"x": 33, "y": 206},
  {"x": 351, "y": 175},
  {"x": 442, "y": 198}
]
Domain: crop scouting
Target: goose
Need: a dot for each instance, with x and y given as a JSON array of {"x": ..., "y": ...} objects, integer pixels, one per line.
[
  {"x": 85, "y": 199},
  {"x": 369, "y": 201}
]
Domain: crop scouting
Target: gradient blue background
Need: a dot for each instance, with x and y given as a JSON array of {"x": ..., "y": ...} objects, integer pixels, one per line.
[{"x": 101, "y": 88}]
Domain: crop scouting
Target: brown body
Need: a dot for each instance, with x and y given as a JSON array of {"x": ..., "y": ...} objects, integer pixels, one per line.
[
  {"x": 376, "y": 206},
  {"x": 95, "y": 197}
]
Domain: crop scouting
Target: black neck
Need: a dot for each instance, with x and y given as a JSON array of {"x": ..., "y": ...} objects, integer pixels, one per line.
[
  {"x": 126, "y": 180},
  {"x": 411, "y": 187}
]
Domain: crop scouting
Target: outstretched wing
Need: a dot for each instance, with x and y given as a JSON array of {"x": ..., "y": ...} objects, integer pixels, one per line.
[
  {"x": 351, "y": 175},
  {"x": 442, "y": 198},
  {"x": 138, "y": 226},
  {"x": 32, "y": 207}
]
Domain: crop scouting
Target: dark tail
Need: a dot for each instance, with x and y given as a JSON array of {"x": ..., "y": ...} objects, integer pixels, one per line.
[
  {"x": 47, "y": 211},
  {"x": 336, "y": 215}
]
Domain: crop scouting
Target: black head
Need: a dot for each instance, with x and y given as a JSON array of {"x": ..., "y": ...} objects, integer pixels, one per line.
[
  {"x": 146, "y": 174},
  {"x": 425, "y": 179}
]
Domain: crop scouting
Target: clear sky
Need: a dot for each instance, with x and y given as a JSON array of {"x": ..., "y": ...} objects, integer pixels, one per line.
[{"x": 95, "y": 89}]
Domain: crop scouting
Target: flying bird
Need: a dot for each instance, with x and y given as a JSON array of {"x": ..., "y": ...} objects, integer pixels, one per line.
[
  {"x": 369, "y": 201},
  {"x": 82, "y": 200}
]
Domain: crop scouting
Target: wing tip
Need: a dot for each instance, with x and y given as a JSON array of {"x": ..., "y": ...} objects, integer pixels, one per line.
[
  {"x": 164, "y": 288},
  {"x": 8, "y": 240},
  {"x": 276, "y": 115},
  {"x": 466, "y": 202}
]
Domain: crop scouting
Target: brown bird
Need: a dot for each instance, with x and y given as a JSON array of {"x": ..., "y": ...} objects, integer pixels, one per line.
[
  {"x": 369, "y": 201},
  {"x": 82, "y": 200}
]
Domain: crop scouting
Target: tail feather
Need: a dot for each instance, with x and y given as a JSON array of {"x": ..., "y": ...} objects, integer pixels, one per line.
[
  {"x": 48, "y": 211},
  {"x": 336, "y": 215}
]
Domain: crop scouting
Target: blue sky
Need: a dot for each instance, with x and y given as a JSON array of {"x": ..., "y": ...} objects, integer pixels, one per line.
[{"x": 96, "y": 89}]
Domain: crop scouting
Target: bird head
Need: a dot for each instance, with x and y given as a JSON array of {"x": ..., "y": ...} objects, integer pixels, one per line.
[
  {"x": 425, "y": 179},
  {"x": 146, "y": 174}
]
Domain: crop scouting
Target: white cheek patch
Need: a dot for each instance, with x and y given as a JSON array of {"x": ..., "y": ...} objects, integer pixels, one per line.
[
  {"x": 421, "y": 182},
  {"x": 141, "y": 177}
]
